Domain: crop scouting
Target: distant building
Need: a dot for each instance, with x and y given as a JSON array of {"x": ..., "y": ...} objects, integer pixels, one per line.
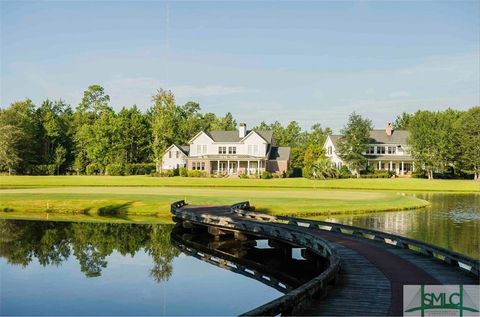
[
  {"x": 229, "y": 153},
  {"x": 387, "y": 150}
]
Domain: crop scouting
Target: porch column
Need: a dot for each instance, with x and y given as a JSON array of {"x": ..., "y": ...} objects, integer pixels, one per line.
[
  {"x": 218, "y": 166},
  {"x": 248, "y": 167},
  {"x": 403, "y": 168},
  {"x": 228, "y": 167},
  {"x": 238, "y": 167},
  {"x": 413, "y": 166},
  {"x": 390, "y": 166},
  {"x": 258, "y": 167},
  {"x": 379, "y": 165}
]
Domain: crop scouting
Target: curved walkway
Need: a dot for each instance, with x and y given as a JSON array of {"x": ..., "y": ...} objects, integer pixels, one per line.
[{"x": 373, "y": 272}]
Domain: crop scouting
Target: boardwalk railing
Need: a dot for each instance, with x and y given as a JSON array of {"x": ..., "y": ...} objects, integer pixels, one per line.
[
  {"x": 295, "y": 299},
  {"x": 453, "y": 258}
]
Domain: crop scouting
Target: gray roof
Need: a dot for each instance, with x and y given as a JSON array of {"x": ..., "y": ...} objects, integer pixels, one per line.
[
  {"x": 397, "y": 137},
  {"x": 335, "y": 139},
  {"x": 379, "y": 136},
  {"x": 279, "y": 153},
  {"x": 184, "y": 148},
  {"x": 233, "y": 136}
]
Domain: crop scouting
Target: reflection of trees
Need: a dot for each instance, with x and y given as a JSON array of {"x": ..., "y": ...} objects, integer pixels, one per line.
[
  {"x": 51, "y": 243},
  {"x": 160, "y": 249}
]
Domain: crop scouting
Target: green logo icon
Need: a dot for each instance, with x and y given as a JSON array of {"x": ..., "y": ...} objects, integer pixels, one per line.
[{"x": 441, "y": 300}]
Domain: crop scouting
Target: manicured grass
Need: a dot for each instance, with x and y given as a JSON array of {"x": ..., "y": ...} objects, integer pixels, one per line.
[
  {"x": 399, "y": 184},
  {"x": 155, "y": 201}
]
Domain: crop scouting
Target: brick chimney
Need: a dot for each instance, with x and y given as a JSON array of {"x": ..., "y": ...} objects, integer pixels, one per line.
[
  {"x": 242, "y": 129},
  {"x": 389, "y": 128}
]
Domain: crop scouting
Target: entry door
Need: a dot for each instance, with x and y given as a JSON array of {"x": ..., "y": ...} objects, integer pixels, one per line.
[{"x": 233, "y": 167}]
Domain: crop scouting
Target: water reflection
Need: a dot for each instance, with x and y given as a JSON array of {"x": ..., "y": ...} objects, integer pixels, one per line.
[
  {"x": 52, "y": 243},
  {"x": 452, "y": 221},
  {"x": 276, "y": 264}
]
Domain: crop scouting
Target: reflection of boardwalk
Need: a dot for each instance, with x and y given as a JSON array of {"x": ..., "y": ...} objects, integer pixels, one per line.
[
  {"x": 264, "y": 265},
  {"x": 374, "y": 265}
]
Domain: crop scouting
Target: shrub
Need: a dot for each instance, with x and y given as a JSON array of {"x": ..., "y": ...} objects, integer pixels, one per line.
[
  {"x": 139, "y": 168},
  {"x": 42, "y": 169},
  {"x": 93, "y": 169},
  {"x": 194, "y": 173},
  {"x": 275, "y": 175},
  {"x": 266, "y": 175},
  {"x": 183, "y": 172},
  {"x": 243, "y": 175},
  {"x": 345, "y": 172},
  {"x": 114, "y": 169}
]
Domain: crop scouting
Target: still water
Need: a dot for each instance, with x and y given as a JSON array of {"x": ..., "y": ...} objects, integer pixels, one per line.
[
  {"x": 67, "y": 268},
  {"x": 75, "y": 268},
  {"x": 452, "y": 221}
]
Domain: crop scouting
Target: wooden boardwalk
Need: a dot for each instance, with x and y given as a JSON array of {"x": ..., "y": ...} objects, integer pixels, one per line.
[{"x": 374, "y": 267}]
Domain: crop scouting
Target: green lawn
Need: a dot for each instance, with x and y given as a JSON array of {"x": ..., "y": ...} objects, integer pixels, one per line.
[
  {"x": 99, "y": 197},
  {"x": 398, "y": 184}
]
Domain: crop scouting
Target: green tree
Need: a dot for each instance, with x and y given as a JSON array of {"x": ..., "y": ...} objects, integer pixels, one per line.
[
  {"x": 226, "y": 123},
  {"x": 468, "y": 140},
  {"x": 135, "y": 135},
  {"x": 10, "y": 147},
  {"x": 353, "y": 142},
  {"x": 165, "y": 120},
  {"x": 60, "y": 157},
  {"x": 402, "y": 121},
  {"x": 432, "y": 140}
]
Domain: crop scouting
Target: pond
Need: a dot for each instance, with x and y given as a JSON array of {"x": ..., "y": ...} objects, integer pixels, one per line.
[
  {"x": 452, "y": 221},
  {"x": 67, "y": 268}
]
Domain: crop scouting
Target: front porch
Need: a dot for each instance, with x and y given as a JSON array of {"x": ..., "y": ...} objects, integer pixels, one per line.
[
  {"x": 229, "y": 167},
  {"x": 401, "y": 168},
  {"x": 237, "y": 167}
]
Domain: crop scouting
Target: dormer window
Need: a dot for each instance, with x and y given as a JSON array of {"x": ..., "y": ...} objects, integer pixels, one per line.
[
  {"x": 392, "y": 150},
  {"x": 330, "y": 150},
  {"x": 232, "y": 150},
  {"x": 371, "y": 149},
  {"x": 222, "y": 150},
  {"x": 380, "y": 150}
]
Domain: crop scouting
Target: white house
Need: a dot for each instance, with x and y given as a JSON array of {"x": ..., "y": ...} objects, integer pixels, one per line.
[
  {"x": 387, "y": 150},
  {"x": 232, "y": 153},
  {"x": 175, "y": 156}
]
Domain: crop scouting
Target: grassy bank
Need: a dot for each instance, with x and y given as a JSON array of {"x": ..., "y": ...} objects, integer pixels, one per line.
[
  {"x": 154, "y": 201},
  {"x": 399, "y": 184}
]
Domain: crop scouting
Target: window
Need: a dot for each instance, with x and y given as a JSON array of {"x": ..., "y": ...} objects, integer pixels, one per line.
[
  {"x": 255, "y": 149},
  {"x": 330, "y": 150},
  {"x": 250, "y": 147},
  {"x": 392, "y": 149},
  {"x": 232, "y": 150},
  {"x": 199, "y": 148},
  {"x": 371, "y": 149},
  {"x": 169, "y": 154},
  {"x": 177, "y": 154},
  {"x": 204, "y": 149},
  {"x": 380, "y": 150},
  {"x": 202, "y": 166},
  {"x": 222, "y": 150}
]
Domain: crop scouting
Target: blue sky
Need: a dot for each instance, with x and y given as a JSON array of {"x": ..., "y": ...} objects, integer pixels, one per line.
[{"x": 309, "y": 61}]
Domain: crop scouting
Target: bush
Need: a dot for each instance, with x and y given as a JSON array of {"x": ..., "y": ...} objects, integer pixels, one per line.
[
  {"x": 114, "y": 169},
  {"x": 42, "y": 169},
  {"x": 243, "y": 175},
  {"x": 183, "y": 172},
  {"x": 345, "y": 172},
  {"x": 266, "y": 175},
  {"x": 93, "y": 169},
  {"x": 140, "y": 168},
  {"x": 194, "y": 173}
]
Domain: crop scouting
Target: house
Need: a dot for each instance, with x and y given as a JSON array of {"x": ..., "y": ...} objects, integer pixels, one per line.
[
  {"x": 229, "y": 153},
  {"x": 387, "y": 150}
]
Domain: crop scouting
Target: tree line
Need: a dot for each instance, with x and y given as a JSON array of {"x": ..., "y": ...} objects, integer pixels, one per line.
[
  {"x": 93, "y": 138},
  {"x": 442, "y": 143}
]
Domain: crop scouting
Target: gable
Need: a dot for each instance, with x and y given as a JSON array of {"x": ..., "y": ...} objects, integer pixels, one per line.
[{"x": 201, "y": 137}]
